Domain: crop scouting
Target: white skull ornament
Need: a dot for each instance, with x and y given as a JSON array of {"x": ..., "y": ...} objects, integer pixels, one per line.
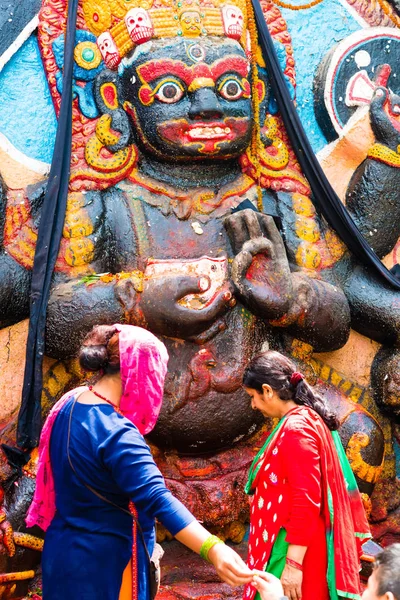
[
  {"x": 233, "y": 20},
  {"x": 109, "y": 50},
  {"x": 139, "y": 25}
]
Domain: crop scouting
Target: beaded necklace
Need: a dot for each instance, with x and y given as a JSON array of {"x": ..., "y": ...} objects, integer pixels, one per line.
[{"x": 115, "y": 407}]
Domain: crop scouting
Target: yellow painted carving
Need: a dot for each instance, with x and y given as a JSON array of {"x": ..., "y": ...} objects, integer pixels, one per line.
[
  {"x": 77, "y": 224},
  {"x": 385, "y": 155},
  {"x": 117, "y": 164},
  {"x": 103, "y": 131},
  {"x": 79, "y": 251},
  {"x": 28, "y": 541},
  {"x": 308, "y": 256},
  {"x": 122, "y": 38},
  {"x": 119, "y": 8},
  {"x": 335, "y": 245},
  {"x": 302, "y": 205},
  {"x": 19, "y": 576},
  {"x": 54, "y": 383},
  {"x": 7, "y": 591},
  {"x": 78, "y": 55},
  {"x": 97, "y": 15},
  {"x": 301, "y": 350},
  {"x": 356, "y": 393},
  {"x": 8, "y": 538},
  {"x": 201, "y": 82},
  {"x": 280, "y": 159},
  {"x": 190, "y": 21},
  {"x": 307, "y": 229},
  {"x": 363, "y": 470}
]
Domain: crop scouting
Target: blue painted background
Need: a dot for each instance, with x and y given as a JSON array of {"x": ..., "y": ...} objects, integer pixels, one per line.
[
  {"x": 314, "y": 32},
  {"x": 27, "y": 115}
]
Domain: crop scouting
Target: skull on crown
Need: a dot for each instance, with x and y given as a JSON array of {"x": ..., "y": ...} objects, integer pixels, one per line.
[
  {"x": 139, "y": 25},
  {"x": 233, "y": 21},
  {"x": 109, "y": 50}
]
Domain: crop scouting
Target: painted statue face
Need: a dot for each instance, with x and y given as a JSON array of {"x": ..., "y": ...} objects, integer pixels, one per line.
[
  {"x": 190, "y": 21},
  {"x": 109, "y": 50},
  {"x": 190, "y": 99},
  {"x": 139, "y": 25}
]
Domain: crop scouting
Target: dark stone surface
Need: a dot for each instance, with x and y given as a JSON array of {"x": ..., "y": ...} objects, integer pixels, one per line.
[{"x": 14, "y": 16}]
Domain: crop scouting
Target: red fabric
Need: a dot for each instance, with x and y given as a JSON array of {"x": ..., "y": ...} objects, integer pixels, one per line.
[{"x": 290, "y": 491}]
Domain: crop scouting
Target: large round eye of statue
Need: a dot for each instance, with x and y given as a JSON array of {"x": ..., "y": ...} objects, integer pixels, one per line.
[{"x": 109, "y": 50}]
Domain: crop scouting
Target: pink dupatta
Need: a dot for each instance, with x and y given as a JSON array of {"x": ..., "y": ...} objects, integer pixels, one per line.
[{"x": 143, "y": 360}]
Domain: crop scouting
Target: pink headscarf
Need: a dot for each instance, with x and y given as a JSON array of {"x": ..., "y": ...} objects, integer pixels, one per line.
[
  {"x": 143, "y": 360},
  {"x": 143, "y": 367}
]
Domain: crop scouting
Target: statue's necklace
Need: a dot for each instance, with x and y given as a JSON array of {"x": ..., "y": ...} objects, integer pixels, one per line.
[{"x": 115, "y": 407}]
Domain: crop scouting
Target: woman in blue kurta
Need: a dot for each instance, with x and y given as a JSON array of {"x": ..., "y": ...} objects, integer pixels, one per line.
[{"x": 89, "y": 542}]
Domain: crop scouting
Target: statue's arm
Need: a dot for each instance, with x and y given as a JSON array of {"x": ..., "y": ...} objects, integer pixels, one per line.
[
  {"x": 373, "y": 200},
  {"x": 15, "y": 283},
  {"x": 319, "y": 314},
  {"x": 18, "y": 228},
  {"x": 96, "y": 295},
  {"x": 372, "y": 196}
]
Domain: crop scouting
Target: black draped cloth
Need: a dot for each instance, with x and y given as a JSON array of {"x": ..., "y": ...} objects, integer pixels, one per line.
[{"x": 47, "y": 246}]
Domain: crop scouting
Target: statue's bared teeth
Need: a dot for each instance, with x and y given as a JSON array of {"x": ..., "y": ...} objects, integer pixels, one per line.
[{"x": 208, "y": 132}]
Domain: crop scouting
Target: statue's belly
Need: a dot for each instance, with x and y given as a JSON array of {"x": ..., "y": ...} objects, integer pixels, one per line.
[{"x": 204, "y": 406}]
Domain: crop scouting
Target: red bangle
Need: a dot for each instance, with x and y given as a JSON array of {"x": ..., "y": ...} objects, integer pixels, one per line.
[{"x": 294, "y": 564}]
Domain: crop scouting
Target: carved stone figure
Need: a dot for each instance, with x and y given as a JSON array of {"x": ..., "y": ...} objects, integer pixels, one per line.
[{"x": 188, "y": 214}]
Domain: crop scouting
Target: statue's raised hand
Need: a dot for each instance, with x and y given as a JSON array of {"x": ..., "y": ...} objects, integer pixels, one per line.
[
  {"x": 260, "y": 270},
  {"x": 166, "y": 313},
  {"x": 385, "y": 117}
]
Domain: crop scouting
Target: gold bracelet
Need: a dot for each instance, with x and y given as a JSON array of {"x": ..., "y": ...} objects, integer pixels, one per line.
[{"x": 208, "y": 543}]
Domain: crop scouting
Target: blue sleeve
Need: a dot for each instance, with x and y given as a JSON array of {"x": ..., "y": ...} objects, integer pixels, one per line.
[{"x": 126, "y": 455}]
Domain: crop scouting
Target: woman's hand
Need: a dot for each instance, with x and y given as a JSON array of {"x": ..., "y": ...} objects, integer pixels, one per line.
[
  {"x": 291, "y": 580},
  {"x": 229, "y": 566},
  {"x": 268, "y": 586}
]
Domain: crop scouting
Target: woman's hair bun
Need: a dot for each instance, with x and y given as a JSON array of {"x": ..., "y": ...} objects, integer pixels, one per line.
[
  {"x": 93, "y": 358},
  {"x": 94, "y": 353}
]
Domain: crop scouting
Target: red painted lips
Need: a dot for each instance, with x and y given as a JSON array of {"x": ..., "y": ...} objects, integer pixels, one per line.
[{"x": 205, "y": 133}]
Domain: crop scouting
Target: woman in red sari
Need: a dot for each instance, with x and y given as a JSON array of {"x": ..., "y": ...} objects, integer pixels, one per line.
[{"x": 307, "y": 521}]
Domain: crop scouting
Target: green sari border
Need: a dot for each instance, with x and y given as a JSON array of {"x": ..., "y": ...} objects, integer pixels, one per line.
[{"x": 348, "y": 595}]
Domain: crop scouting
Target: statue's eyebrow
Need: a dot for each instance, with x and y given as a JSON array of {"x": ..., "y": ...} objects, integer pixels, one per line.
[
  {"x": 236, "y": 64},
  {"x": 154, "y": 69}
]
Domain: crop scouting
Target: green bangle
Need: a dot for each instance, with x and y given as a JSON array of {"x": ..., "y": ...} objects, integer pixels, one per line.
[{"x": 208, "y": 543}]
